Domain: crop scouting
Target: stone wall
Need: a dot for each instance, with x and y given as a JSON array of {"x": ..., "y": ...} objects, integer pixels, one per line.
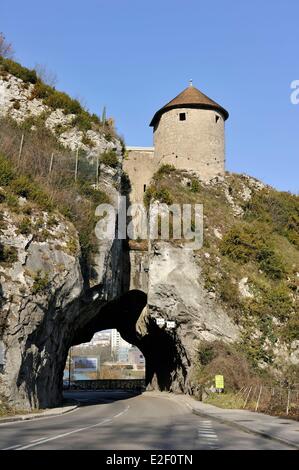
[
  {"x": 196, "y": 144},
  {"x": 140, "y": 164}
]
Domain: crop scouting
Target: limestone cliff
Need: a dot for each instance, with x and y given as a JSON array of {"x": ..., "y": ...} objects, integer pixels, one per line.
[
  {"x": 241, "y": 287},
  {"x": 59, "y": 284}
]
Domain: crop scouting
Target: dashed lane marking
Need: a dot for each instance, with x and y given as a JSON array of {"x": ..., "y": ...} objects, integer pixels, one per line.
[{"x": 207, "y": 435}]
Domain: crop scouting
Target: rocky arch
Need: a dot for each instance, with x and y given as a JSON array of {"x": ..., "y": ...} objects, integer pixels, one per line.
[
  {"x": 39, "y": 378},
  {"x": 128, "y": 314}
]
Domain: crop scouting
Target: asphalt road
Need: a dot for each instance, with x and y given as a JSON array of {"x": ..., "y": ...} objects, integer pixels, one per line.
[{"x": 121, "y": 421}]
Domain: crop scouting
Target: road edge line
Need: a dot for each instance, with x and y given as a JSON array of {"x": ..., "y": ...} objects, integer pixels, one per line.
[{"x": 22, "y": 418}]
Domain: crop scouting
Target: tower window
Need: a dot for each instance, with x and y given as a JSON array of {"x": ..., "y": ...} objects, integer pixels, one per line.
[
  {"x": 217, "y": 118},
  {"x": 182, "y": 116},
  {"x": 144, "y": 188}
]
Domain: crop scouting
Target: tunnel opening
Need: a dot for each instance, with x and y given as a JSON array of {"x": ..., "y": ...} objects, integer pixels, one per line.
[
  {"x": 41, "y": 374},
  {"x": 138, "y": 349},
  {"x": 105, "y": 348},
  {"x": 107, "y": 357}
]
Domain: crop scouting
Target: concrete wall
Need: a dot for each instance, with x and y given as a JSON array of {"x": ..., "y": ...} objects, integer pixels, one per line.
[{"x": 196, "y": 144}]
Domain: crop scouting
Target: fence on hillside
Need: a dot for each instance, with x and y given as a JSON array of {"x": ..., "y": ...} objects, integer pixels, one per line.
[
  {"x": 41, "y": 156},
  {"x": 273, "y": 400}
]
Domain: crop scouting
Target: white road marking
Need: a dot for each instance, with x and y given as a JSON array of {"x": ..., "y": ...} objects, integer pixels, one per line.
[
  {"x": 12, "y": 447},
  {"x": 40, "y": 439},
  {"x": 207, "y": 435},
  {"x": 59, "y": 436}
]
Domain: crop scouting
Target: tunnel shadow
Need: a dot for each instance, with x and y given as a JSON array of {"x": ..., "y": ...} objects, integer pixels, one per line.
[
  {"x": 97, "y": 397},
  {"x": 121, "y": 314}
]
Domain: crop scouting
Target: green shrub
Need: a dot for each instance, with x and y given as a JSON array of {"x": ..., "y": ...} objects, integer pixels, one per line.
[
  {"x": 95, "y": 195},
  {"x": 206, "y": 353},
  {"x": 24, "y": 187},
  {"x": 229, "y": 292},
  {"x": 164, "y": 170},
  {"x": 8, "y": 254},
  {"x": 109, "y": 158},
  {"x": 87, "y": 141},
  {"x": 195, "y": 186},
  {"x": 41, "y": 282},
  {"x": 14, "y": 68},
  {"x": 72, "y": 247},
  {"x": 83, "y": 121},
  {"x": 279, "y": 209},
  {"x": 290, "y": 331},
  {"x": 60, "y": 100},
  {"x": 160, "y": 194},
  {"x": 244, "y": 243},
  {"x": 12, "y": 201},
  {"x": 95, "y": 119},
  {"x": 41, "y": 90},
  {"x": 270, "y": 263},
  {"x": 25, "y": 226},
  {"x": 270, "y": 301},
  {"x": 7, "y": 173}
]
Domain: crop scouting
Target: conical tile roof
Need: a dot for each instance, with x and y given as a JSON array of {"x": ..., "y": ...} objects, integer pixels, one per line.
[{"x": 193, "y": 98}]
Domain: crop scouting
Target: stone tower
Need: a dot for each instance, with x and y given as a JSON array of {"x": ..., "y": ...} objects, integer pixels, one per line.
[{"x": 189, "y": 134}]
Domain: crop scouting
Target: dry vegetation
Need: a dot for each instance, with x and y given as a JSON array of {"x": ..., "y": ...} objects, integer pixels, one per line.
[
  {"x": 29, "y": 176},
  {"x": 6, "y": 49}
]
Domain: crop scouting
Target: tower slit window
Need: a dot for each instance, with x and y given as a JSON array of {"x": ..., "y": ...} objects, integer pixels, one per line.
[{"x": 182, "y": 116}]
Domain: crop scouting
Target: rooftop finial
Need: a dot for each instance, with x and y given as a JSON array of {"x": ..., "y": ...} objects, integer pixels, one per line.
[{"x": 190, "y": 82}]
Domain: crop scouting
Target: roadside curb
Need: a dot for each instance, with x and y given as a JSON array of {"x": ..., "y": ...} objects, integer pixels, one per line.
[
  {"x": 46, "y": 414},
  {"x": 228, "y": 422}
]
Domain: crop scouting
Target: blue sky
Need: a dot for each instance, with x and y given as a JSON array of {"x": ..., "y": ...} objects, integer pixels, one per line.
[{"x": 135, "y": 55}]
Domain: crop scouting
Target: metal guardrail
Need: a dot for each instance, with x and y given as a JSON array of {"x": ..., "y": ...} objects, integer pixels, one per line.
[{"x": 109, "y": 384}]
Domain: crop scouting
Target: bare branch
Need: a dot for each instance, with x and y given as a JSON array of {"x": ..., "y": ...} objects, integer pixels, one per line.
[{"x": 6, "y": 49}]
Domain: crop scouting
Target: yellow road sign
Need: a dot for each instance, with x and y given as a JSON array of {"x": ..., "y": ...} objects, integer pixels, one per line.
[{"x": 219, "y": 381}]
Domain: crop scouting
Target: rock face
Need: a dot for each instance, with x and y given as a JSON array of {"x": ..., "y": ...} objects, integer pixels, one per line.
[
  {"x": 17, "y": 101},
  {"x": 176, "y": 293},
  {"x": 38, "y": 310},
  {"x": 43, "y": 304}
]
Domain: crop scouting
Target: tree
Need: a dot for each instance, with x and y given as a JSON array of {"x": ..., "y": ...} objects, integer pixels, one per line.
[
  {"x": 45, "y": 75},
  {"x": 6, "y": 49}
]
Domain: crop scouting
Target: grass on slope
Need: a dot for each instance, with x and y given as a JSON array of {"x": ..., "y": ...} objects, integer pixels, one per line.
[
  {"x": 258, "y": 247},
  {"x": 30, "y": 179}
]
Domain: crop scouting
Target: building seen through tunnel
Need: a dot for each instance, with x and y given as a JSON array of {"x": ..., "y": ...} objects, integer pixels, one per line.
[{"x": 106, "y": 356}]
